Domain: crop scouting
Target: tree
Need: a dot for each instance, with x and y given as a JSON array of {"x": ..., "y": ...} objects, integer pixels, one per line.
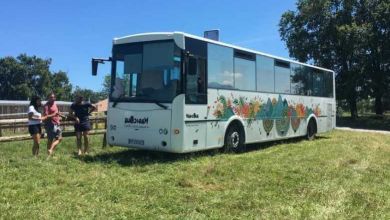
[
  {"x": 106, "y": 85},
  {"x": 376, "y": 16},
  {"x": 37, "y": 75},
  {"x": 61, "y": 86},
  {"x": 12, "y": 83},
  {"x": 339, "y": 35},
  {"x": 24, "y": 76},
  {"x": 88, "y": 94}
]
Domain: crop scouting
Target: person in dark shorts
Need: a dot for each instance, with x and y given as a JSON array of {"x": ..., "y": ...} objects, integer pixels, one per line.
[
  {"x": 52, "y": 124},
  {"x": 34, "y": 123},
  {"x": 80, "y": 111}
]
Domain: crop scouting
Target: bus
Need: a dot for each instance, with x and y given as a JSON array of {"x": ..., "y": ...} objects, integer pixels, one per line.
[{"x": 176, "y": 92}]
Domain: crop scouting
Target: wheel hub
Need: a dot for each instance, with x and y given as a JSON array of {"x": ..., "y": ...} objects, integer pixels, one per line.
[{"x": 235, "y": 139}]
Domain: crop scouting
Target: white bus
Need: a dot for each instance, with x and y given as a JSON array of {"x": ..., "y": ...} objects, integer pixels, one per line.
[{"x": 179, "y": 93}]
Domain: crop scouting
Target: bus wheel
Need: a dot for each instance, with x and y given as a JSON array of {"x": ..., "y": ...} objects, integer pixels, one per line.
[
  {"x": 234, "y": 139},
  {"x": 311, "y": 130}
]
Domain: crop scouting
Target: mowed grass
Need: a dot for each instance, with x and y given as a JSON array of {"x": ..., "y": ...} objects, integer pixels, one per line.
[{"x": 339, "y": 175}]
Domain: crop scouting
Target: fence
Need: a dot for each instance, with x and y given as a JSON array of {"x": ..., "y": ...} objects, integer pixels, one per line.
[
  {"x": 9, "y": 128},
  {"x": 12, "y": 109}
]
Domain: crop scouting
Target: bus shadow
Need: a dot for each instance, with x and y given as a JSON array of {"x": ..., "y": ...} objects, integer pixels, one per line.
[
  {"x": 268, "y": 144},
  {"x": 133, "y": 157}
]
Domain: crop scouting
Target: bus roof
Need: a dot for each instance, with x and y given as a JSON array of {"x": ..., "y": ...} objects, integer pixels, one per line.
[{"x": 179, "y": 38}]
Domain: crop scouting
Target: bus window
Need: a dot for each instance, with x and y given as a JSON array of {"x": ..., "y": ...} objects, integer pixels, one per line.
[
  {"x": 318, "y": 83},
  {"x": 220, "y": 66},
  {"x": 134, "y": 77},
  {"x": 196, "y": 81},
  {"x": 301, "y": 80},
  {"x": 244, "y": 74},
  {"x": 328, "y": 78},
  {"x": 132, "y": 68},
  {"x": 282, "y": 77},
  {"x": 265, "y": 74}
]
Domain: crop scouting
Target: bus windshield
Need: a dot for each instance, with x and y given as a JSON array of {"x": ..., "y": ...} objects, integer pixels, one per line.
[{"x": 146, "y": 72}]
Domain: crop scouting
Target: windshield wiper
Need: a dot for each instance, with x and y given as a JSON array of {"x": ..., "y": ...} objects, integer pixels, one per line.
[
  {"x": 155, "y": 101},
  {"x": 116, "y": 101},
  {"x": 160, "y": 104}
]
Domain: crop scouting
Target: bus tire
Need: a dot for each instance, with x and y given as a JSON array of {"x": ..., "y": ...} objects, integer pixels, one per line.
[
  {"x": 235, "y": 139},
  {"x": 311, "y": 129}
]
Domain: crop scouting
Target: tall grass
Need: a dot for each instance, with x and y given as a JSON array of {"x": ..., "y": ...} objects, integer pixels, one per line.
[{"x": 339, "y": 175}]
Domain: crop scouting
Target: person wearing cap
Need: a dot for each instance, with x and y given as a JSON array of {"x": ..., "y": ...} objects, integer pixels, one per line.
[{"x": 80, "y": 112}]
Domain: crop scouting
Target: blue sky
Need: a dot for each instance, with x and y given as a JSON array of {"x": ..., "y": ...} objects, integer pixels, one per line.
[{"x": 72, "y": 32}]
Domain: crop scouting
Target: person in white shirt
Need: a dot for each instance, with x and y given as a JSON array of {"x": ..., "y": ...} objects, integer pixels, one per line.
[{"x": 34, "y": 123}]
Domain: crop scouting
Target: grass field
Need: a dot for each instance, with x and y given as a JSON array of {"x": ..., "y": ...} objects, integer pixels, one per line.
[
  {"x": 340, "y": 175},
  {"x": 366, "y": 121}
]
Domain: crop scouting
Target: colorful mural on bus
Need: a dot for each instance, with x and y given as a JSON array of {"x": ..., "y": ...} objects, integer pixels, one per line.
[{"x": 273, "y": 112}]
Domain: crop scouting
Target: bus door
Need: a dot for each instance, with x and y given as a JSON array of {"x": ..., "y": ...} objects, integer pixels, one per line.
[{"x": 195, "y": 111}]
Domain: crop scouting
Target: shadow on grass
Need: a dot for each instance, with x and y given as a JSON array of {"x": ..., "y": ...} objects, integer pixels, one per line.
[
  {"x": 265, "y": 145},
  {"x": 133, "y": 157},
  {"x": 370, "y": 122}
]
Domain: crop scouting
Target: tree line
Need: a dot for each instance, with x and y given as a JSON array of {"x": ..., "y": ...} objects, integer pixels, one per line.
[
  {"x": 24, "y": 76},
  {"x": 351, "y": 37}
]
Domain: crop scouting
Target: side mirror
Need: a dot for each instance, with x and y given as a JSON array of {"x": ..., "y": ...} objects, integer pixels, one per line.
[
  {"x": 94, "y": 67},
  {"x": 95, "y": 63}
]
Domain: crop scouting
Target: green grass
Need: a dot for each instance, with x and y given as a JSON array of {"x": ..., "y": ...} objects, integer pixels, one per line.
[{"x": 340, "y": 175}]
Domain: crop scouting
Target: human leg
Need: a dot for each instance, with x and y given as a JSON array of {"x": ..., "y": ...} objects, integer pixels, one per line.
[
  {"x": 35, "y": 131},
  {"x": 57, "y": 134},
  {"x": 78, "y": 142},
  {"x": 36, "y": 140},
  {"x": 86, "y": 141}
]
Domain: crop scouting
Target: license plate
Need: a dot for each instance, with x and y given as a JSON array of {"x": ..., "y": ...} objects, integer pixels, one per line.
[{"x": 136, "y": 142}]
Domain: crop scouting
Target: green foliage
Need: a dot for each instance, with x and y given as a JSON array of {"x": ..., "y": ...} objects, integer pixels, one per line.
[
  {"x": 106, "y": 85},
  {"x": 88, "y": 94},
  {"x": 25, "y": 76},
  {"x": 350, "y": 37},
  {"x": 341, "y": 175},
  {"x": 61, "y": 86}
]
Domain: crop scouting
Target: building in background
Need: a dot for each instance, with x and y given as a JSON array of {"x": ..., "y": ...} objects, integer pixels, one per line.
[{"x": 101, "y": 106}]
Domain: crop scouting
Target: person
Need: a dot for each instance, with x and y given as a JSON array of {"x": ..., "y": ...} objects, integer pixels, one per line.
[
  {"x": 52, "y": 124},
  {"x": 34, "y": 123},
  {"x": 80, "y": 111}
]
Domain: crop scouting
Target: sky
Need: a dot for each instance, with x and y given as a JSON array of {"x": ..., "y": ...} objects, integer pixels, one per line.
[{"x": 72, "y": 32}]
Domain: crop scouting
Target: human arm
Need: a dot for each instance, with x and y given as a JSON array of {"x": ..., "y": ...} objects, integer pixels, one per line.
[
  {"x": 73, "y": 115},
  {"x": 31, "y": 116},
  {"x": 34, "y": 115},
  {"x": 92, "y": 108},
  {"x": 46, "y": 112}
]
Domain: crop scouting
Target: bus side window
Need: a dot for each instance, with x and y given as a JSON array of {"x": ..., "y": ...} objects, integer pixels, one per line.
[
  {"x": 196, "y": 81},
  {"x": 133, "y": 84}
]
